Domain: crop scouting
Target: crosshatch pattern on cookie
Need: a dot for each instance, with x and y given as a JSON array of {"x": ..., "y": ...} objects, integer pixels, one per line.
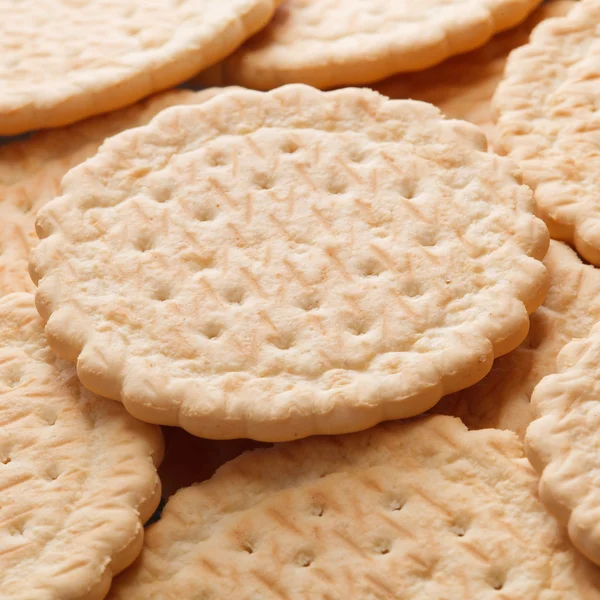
[
  {"x": 408, "y": 510},
  {"x": 77, "y": 473},
  {"x": 548, "y": 121},
  {"x": 246, "y": 262}
]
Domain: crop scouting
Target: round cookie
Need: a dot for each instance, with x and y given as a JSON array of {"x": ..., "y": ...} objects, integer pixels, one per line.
[
  {"x": 64, "y": 60},
  {"x": 547, "y": 120},
  {"x": 276, "y": 265},
  {"x": 331, "y": 43},
  {"x": 408, "y": 510},
  {"x": 77, "y": 473}
]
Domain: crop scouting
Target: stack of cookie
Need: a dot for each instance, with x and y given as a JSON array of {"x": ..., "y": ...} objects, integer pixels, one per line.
[{"x": 359, "y": 324}]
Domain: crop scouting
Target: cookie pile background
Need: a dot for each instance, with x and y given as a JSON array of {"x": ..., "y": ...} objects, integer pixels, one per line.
[{"x": 299, "y": 299}]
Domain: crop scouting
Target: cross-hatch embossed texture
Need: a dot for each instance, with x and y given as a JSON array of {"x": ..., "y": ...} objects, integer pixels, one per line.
[
  {"x": 64, "y": 60},
  {"x": 77, "y": 473},
  {"x": 572, "y": 307},
  {"x": 403, "y": 511},
  {"x": 31, "y": 171},
  {"x": 462, "y": 87},
  {"x": 318, "y": 261},
  {"x": 562, "y": 443},
  {"x": 329, "y": 43},
  {"x": 549, "y": 122}
]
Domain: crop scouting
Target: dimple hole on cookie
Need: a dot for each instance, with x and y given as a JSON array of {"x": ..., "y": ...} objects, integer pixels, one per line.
[
  {"x": 161, "y": 194},
  {"x": 318, "y": 510},
  {"x": 410, "y": 190},
  {"x": 204, "y": 213},
  {"x": 199, "y": 263},
  {"x": 396, "y": 504},
  {"x": 304, "y": 559},
  {"x": 144, "y": 243},
  {"x": 50, "y": 417},
  {"x": 289, "y": 147},
  {"x": 460, "y": 526},
  {"x": 213, "y": 330},
  {"x": 248, "y": 548},
  {"x": 235, "y": 295},
  {"x": 356, "y": 155},
  {"x": 497, "y": 579},
  {"x": 308, "y": 302},
  {"x": 337, "y": 185},
  {"x": 358, "y": 327},
  {"x": 283, "y": 341},
  {"x": 17, "y": 528},
  {"x": 428, "y": 239},
  {"x": 52, "y": 473},
  {"x": 412, "y": 289},
  {"x": 263, "y": 181},
  {"x": 371, "y": 267},
  {"x": 6, "y": 460},
  {"x": 217, "y": 159},
  {"x": 382, "y": 546},
  {"x": 162, "y": 294}
]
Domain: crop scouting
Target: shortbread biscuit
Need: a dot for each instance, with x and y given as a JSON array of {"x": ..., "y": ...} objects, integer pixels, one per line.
[
  {"x": 463, "y": 86},
  {"x": 502, "y": 398},
  {"x": 62, "y": 61},
  {"x": 548, "y": 122},
  {"x": 562, "y": 443},
  {"x": 190, "y": 459},
  {"x": 77, "y": 473},
  {"x": 413, "y": 510},
  {"x": 275, "y": 265},
  {"x": 330, "y": 43},
  {"x": 31, "y": 171}
]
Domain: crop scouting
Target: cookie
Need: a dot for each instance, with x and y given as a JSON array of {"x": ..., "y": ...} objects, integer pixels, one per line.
[
  {"x": 463, "y": 86},
  {"x": 276, "y": 265},
  {"x": 502, "y": 398},
  {"x": 77, "y": 473},
  {"x": 63, "y": 61},
  {"x": 562, "y": 445},
  {"x": 31, "y": 171},
  {"x": 547, "y": 121},
  {"x": 331, "y": 43},
  {"x": 411, "y": 510}
]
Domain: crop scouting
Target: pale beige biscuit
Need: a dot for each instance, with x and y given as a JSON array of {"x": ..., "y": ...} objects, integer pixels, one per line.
[
  {"x": 64, "y": 60},
  {"x": 31, "y": 171},
  {"x": 562, "y": 442},
  {"x": 190, "y": 459},
  {"x": 275, "y": 265},
  {"x": 548, "y": 122},
  {"x": 502, "y": 398},
  {"x": 463, "y": 86},
  {"x": 413, "y": 510},
  {"x": 77, "y": 473},
  {"x": 330, "y": 43}
]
